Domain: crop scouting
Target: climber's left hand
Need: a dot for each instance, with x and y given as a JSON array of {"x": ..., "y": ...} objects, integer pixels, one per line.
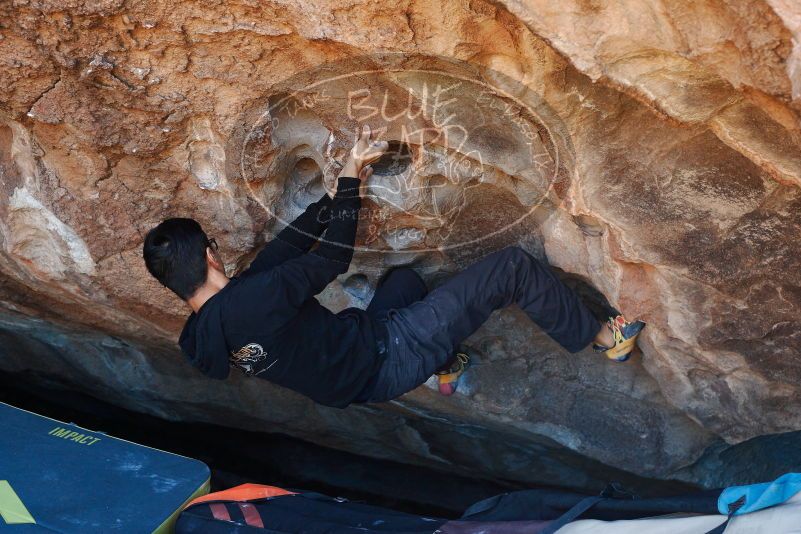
[{"x": 364, "y": 176}]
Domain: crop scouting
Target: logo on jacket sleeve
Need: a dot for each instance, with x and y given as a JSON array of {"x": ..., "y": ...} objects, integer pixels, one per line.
[{"x": 251, "y": 359}]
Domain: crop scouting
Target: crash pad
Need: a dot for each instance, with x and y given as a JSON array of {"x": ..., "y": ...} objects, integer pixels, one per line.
[{"x": 59, "y": 477}]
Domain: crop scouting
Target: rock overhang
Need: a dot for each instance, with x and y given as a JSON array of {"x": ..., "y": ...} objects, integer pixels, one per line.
[{"x": 678, "y": 199}]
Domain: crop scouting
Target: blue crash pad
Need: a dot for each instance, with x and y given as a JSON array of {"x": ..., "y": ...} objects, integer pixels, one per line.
[
  {"x": 59, "y": 477},
  {"x": 760, "y": 496}
]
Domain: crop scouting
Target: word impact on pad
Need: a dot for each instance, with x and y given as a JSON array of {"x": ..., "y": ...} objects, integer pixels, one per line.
[{"x": 65, "y": 433}]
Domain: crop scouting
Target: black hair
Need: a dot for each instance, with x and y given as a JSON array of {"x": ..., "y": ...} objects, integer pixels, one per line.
[{"x": 175, "y": 254}]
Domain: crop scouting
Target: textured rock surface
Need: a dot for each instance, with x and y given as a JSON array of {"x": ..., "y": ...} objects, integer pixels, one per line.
[{"x": 664, "y": 169}]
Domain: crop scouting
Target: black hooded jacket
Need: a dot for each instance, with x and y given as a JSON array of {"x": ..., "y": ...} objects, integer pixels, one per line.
[{"x": 267, "y": 323}]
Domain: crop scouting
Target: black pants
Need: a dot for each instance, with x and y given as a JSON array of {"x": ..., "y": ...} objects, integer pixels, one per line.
[{"x": 424, "y": 329}]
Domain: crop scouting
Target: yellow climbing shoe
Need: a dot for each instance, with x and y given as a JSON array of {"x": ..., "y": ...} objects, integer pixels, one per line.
[{"x": 625, "y": 335}]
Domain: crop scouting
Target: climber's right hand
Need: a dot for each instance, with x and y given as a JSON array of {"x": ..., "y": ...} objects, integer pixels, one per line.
[
  {"x": 364, "y": 151},
  {"x": 367, "y": 150}
]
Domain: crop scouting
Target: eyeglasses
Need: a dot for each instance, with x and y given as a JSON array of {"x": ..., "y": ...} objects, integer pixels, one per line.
[{"x": 212, "y": 244}]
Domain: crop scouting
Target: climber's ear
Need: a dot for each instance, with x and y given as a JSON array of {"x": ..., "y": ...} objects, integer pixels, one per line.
[{"x": 213, "y": 259}]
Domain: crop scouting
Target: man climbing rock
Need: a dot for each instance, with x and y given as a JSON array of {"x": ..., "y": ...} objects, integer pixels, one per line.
[{"x": 267, "y": 323}]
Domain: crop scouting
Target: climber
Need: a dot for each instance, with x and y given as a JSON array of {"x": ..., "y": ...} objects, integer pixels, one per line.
[{"x": 267, "y": 323}]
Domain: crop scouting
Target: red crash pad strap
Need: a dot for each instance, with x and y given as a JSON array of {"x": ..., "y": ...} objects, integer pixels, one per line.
[
  {"x": 219, "y": 511},
  {"x": 251, "y": 515},
  {"x": 245, "y": 492}
]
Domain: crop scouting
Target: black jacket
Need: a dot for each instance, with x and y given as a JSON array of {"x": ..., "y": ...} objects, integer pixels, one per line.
[{"x": 267, "y": 323}]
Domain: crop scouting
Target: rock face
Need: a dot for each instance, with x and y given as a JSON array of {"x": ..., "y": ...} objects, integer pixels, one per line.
[{"x": 650, "y": 149}]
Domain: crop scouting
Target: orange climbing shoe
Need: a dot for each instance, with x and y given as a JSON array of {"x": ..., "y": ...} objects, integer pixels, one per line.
[
  {"x": 449, "y": 378},
  {"x": 625, "y": 334}
]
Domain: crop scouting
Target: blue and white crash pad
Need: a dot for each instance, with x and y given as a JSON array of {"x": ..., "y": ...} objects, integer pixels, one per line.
[{"x": 59, "y": 477}]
